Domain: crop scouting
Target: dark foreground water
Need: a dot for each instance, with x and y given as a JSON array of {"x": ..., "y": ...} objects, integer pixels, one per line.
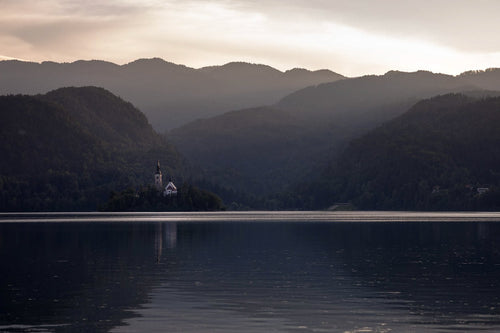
[{"x": 258, "y": 272}]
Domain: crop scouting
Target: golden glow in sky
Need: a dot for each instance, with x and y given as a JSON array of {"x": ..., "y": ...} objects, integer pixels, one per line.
[{"x": 349, "y": 37}]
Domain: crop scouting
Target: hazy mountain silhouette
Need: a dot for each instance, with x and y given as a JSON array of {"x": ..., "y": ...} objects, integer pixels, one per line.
[
  {"x": 372, "y": 98},
  {"x": 432, "y": 157},
  {"x": 266, "y": 149},
  {"x": 169, "y": 94},
  {"x": 254, "y": 150}
]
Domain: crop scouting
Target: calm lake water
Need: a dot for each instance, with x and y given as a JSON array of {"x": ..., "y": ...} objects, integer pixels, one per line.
[{"x": 250, "y": 272}]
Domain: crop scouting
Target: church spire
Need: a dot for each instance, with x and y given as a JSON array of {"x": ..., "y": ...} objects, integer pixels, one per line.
[{"x": 158, "y": 177}]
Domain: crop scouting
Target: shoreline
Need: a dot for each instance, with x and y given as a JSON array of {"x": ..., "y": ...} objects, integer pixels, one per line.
[{"x": 251, "y": 216}]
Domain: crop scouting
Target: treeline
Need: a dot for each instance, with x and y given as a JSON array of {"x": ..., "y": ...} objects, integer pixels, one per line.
[{"x": 188, "y": 198}]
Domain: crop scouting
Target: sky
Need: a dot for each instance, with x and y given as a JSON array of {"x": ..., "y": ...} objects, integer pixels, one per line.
[{"x": 350, "y": 37}]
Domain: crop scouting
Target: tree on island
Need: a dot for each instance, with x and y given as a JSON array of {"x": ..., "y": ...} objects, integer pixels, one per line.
[{"x": 188, "y": 198}]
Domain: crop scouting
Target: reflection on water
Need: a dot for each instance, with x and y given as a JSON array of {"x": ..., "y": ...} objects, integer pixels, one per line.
[
  {"x": 226, "y": 277},
  {"x": 167, "y": 232}
]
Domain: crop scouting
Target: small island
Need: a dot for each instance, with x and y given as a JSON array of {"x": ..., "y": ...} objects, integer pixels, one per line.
[{"x": 165, "y": 199}]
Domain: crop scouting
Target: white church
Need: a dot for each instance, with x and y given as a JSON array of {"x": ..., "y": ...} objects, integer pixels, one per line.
[{"x": 170, "y": 189}]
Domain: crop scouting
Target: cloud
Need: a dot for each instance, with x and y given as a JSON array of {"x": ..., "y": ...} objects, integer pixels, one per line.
[
  {"x": 352, "y": 37},
  {"x": 59, "y": 30},
  {"x": 462, "y": 24},
  {"x": 338, "y": 34}
]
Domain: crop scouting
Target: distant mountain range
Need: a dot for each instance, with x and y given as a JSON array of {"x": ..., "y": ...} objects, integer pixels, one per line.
[
  {"x": 170, "y": 95},
  {"x": 269, "y": 149}
]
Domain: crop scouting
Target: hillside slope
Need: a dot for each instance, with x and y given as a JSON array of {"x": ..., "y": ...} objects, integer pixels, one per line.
[
  {"x": 68, "y": 149},
  {"x": 435, "y": 156},
  {"x": 267, "y": 149},
  {"x": 372, "y": 98},
  {"x": 257, "y": 151}
]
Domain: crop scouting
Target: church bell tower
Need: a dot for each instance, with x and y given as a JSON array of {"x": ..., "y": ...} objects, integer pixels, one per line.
[{"x": 158, "y": 178}]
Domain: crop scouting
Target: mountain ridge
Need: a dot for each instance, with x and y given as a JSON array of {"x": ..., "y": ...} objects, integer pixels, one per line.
[{"x": 169, "y": 94}]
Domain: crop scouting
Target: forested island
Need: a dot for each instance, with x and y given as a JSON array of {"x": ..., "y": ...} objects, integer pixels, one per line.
[{"x": 148, "y": 199}]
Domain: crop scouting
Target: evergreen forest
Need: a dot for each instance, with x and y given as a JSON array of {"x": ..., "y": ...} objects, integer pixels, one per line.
[
  {"x": 72, "y": 148},
  {"x": 443, "y": 154}
]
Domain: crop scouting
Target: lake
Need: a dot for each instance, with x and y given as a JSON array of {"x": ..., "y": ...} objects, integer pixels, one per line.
[{"x": 250, "y": 272}]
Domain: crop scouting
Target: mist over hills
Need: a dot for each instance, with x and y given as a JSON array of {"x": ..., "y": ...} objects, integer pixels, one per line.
[
  {"x": 433, "y": 157},
  {"x": 366, "y": 94},
  {"x": 251, "y": 150},
  {"x": 169, "y": 94},
  {"x": 271, "y": 149}
]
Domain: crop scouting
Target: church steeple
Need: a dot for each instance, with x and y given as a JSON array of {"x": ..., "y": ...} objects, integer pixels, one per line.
[{"x": 158, "y": 177}]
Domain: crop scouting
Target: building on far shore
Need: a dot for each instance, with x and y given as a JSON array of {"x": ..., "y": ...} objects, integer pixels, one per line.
[
  {"x": 482, "y": 190},
  {"x": 170, "y": 189}
]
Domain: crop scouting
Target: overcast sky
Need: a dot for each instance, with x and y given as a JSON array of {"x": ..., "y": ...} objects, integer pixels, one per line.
[{"x": 351, "y": 37}]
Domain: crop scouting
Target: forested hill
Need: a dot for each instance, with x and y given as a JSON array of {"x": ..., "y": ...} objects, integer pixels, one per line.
[
  {"x": 68, "y": 149},
  {"x": 376, "y": 98},
  {"x": 268, "y": 149},
  {"x": 435, "y": 157},
  {"x": 115, "y": 122}
]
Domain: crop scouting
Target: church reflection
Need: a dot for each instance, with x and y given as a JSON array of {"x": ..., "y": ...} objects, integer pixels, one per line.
[
  {"x": 165, "y": 232},
  {"x": 170, "y": 234},
  {"x": 158, "y": 242}
]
